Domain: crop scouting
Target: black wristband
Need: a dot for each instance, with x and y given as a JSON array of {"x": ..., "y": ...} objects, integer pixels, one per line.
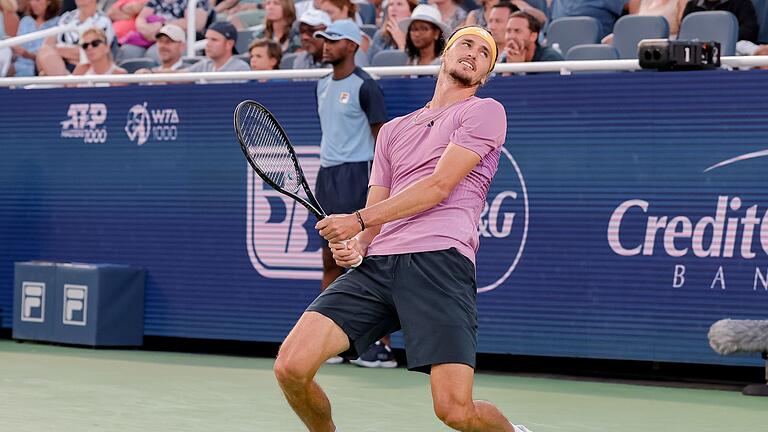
[{"x": 360, "y": 220}]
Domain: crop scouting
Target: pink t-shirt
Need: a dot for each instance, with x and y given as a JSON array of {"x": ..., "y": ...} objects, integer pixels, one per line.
[{"x": 408, "y": 149}]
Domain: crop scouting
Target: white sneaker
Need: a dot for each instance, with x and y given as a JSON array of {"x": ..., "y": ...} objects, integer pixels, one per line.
[
  {"x": 521, "y": 428},
  {"x": 335, "y": 360}
]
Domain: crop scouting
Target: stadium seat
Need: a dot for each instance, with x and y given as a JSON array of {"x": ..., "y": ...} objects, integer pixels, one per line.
[
  {"x": 127, "y": 51},
  {"x": 717, "y": 26},
  {"x": 390, "y": 58},
  {"x": 592, "y": 52},
  {"x": 761, "y": 8},
  {"x": 631, "y": 29},
  {"x": 369, "y": 29},
  {"x": 367, "y": 13},
  {"x": 567, "y": 32},
  {"x": 132, "y": 65},
  {"x": 251, "y": 17},
  {"x": 244, "y": 38},
  {"x": 287, "y": 61},
  {"x": 189, "y": 61}
]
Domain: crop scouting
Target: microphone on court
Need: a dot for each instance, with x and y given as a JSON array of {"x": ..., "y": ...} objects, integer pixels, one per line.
[{"x": 729, "y": 336}]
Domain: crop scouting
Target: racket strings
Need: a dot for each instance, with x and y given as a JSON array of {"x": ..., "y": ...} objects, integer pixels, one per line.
[{"x": 268, "y": 149}]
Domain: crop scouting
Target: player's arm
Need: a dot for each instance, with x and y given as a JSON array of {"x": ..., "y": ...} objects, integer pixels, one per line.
[{"x": 455, "y": 164}]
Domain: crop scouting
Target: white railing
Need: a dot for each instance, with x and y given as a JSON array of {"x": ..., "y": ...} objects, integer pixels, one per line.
[
  {"x": 40, "y": 34},
  {"x": 191, "y": 27},
  {"x": 563, "y": 67},
  {"x": 192, "y": 45}
]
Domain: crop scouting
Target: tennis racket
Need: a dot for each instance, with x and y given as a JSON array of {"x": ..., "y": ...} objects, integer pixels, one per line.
[{"x": 271, "y": 155}]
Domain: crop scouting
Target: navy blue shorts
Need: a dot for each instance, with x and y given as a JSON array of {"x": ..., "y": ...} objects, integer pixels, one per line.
[
  {"x": 431, "y": 296},
  {"x": 343, "y": 188}
]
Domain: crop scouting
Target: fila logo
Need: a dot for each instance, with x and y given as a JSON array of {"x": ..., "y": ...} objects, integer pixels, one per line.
[
  {"x": 75, "y": 304},
  {"x": 33, "y": 302}
]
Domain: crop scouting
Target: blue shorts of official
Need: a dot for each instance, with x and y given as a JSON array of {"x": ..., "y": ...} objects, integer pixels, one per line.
[
  {"x": 431, "y": 296},
  {"x": 343, "y": 188}
]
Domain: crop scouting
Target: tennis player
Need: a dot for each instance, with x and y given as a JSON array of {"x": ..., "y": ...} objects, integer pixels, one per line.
[{"x": 418, "y": 233}]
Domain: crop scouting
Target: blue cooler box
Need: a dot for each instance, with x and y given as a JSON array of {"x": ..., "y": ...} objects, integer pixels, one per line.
[{"x": 80, "y": 304}]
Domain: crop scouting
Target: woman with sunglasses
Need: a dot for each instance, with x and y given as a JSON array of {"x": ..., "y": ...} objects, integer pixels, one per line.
[{"x": 100, "y": 62}]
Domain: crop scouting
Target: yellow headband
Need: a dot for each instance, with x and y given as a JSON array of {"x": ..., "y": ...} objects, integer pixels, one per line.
[{"x": 479, "y": 32}]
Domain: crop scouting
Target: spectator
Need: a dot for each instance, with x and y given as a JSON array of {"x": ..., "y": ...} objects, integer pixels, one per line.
[
  {"x": 94, "y": 43},
  {"x": 483, "y": 14},
  {"x": 743, "y": 9},
  {"x": 278, "y": 24},
  {"x": 605, "y": 11},
  {"x": 497, "y": 21},
  {"x": 306, "y": 5},
  {"x": 426, "y": 35},
  {"x": 221, "y": 38},
  {"x": 351, "y": 109},
  {"x": 390, "y": 36},
  {"x": 452, "y": 15},
  {"x": 311, "y": 56},
  {"x": 480, "y": 15},
  {"x": 345, "y": 9},
  {"x": 522, "y": 41},
  {"x": 60, "y": 54},
  {"x": 123, "y": 14},
  {"x": 340, "y": 9},
  {"x": 265, "y": 54},
  {"x": 157, "y": 13},
  {"x": 170, "y": 47},
  {"x": 9, "y": 24},
  {"x": 671, "y": 10},
  {"x": 42, "y": 14}
]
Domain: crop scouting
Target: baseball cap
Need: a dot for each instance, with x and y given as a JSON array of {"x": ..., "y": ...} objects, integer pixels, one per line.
[
  {"x": 341, "y": 29},
  {"x": 227, "y": 30},
  {"x": 174, "y": 32},
  {"x": 315, "y": 17}
]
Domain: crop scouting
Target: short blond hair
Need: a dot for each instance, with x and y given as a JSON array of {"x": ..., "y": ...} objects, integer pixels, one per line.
[{"x": 97, "y": 31}]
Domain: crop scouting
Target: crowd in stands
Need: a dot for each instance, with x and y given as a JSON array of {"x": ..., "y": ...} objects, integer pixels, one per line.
[{"x": 144, "y": 36}]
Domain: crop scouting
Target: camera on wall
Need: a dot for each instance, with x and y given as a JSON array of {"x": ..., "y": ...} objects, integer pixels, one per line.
[{"x": 669, "y": 55}]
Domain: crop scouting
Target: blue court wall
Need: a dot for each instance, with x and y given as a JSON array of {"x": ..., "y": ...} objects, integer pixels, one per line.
[{"x": 628, "y": 214}]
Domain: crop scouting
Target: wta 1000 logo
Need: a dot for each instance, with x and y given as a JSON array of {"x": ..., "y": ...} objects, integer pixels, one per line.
[
  {"x": 143, "y": 123},
  {"x": 282, "y": 242}
]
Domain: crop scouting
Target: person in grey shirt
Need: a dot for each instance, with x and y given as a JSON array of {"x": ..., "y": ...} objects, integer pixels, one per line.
[{"x": 221, "y": 38}]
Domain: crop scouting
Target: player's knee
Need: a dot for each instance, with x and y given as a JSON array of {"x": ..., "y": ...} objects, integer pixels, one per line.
[
  {"x": 290, "y": 372},
  {"x": 454, "y": 414}
]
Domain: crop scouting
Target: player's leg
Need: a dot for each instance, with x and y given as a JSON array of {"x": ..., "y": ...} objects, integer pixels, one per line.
[
  {"x": 331, "y": 270},
  {"x": 332, "y": 198},
  {"x": 435, "y": 296},
  {"x": 314, "y": 339},
  {"x": 354, "y": 311},
  {"x": 452, "y": 400}
]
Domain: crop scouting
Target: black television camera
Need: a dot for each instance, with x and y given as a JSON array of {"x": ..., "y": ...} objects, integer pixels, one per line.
[{"x": 665, "y": 54}]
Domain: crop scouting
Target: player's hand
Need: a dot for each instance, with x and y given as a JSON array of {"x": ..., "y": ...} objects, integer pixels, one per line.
[
  {"x": 347, "y": 255},
  {"x": 339, "y": 227}
]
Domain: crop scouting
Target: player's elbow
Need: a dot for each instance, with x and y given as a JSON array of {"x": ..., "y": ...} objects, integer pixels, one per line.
[{"x": 441, "y": 188}]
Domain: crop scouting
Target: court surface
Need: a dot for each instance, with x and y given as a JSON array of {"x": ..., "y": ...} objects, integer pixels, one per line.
[{"x": 49, "y": 388}]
